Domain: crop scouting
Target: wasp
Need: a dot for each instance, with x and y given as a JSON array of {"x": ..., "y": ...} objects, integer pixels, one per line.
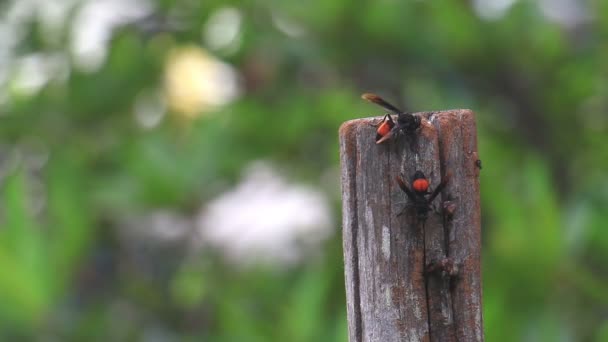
[
  {"x": 419, "y": 195},
  {"x": 407, "y": 123}
]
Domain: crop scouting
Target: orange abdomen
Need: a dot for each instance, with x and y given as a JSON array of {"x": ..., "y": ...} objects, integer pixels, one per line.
[
  {"x": 384, "y": 128},
  {"x": 420, "y": 185}
]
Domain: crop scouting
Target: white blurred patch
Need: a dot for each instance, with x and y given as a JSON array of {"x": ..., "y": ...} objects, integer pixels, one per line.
[
  {"x": 196, "y": 82},
  {"x": 163, "y": 226},
  {"x": 492, "y": 9},
  {"x": 53, "y": 18},
  {"x": 565, "y": 12},
  {"x": 12, "y": 30},
  {"x": 32, "y": 72},
  {"x": 28, "y": 74},
  {"x": 288, "y": 26},
  {"x": 266, "y": 220},
  {"x": 20, "y": 11},
  {"x": 149, "y": 108},
  {"x": 93, "y": 25},
  {"x": 223, "y": 29}
]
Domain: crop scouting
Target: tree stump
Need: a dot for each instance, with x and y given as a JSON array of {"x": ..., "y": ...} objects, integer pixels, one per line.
[{"x": 408, "y": 280}]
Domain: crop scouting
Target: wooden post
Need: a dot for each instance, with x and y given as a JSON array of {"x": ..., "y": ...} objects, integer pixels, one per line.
[{"x": 400, "y": 283}]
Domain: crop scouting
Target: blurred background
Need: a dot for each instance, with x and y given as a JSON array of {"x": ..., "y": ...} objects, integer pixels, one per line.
[{"x": 169, "y": 169}]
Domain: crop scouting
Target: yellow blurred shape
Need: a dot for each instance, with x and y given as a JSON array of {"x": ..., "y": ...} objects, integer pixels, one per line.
[{"x": 197, "y": 82}]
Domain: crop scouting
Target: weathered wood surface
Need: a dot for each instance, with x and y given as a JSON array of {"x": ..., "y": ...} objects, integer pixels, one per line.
[{"x": 390, "y": 296}]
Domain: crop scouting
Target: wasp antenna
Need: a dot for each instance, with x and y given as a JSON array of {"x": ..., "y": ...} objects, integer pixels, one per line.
[{"x": 381, "y": 102}]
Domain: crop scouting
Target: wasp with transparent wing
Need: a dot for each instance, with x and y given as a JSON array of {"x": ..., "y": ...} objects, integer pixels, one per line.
[{"x": 406, "y": 122}]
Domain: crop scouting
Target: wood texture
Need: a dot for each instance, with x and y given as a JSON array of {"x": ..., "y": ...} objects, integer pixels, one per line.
[{"x": 390, "y": 296}]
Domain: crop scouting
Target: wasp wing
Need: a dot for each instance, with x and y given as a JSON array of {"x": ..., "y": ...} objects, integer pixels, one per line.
[{"x": 381, "y": 102}]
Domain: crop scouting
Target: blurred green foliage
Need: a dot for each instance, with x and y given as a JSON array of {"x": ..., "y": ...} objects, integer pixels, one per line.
[{"x": 76, "y": 165}]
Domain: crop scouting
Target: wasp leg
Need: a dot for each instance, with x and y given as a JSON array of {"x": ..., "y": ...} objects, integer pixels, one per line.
[{"x": 377, "y": 123}]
